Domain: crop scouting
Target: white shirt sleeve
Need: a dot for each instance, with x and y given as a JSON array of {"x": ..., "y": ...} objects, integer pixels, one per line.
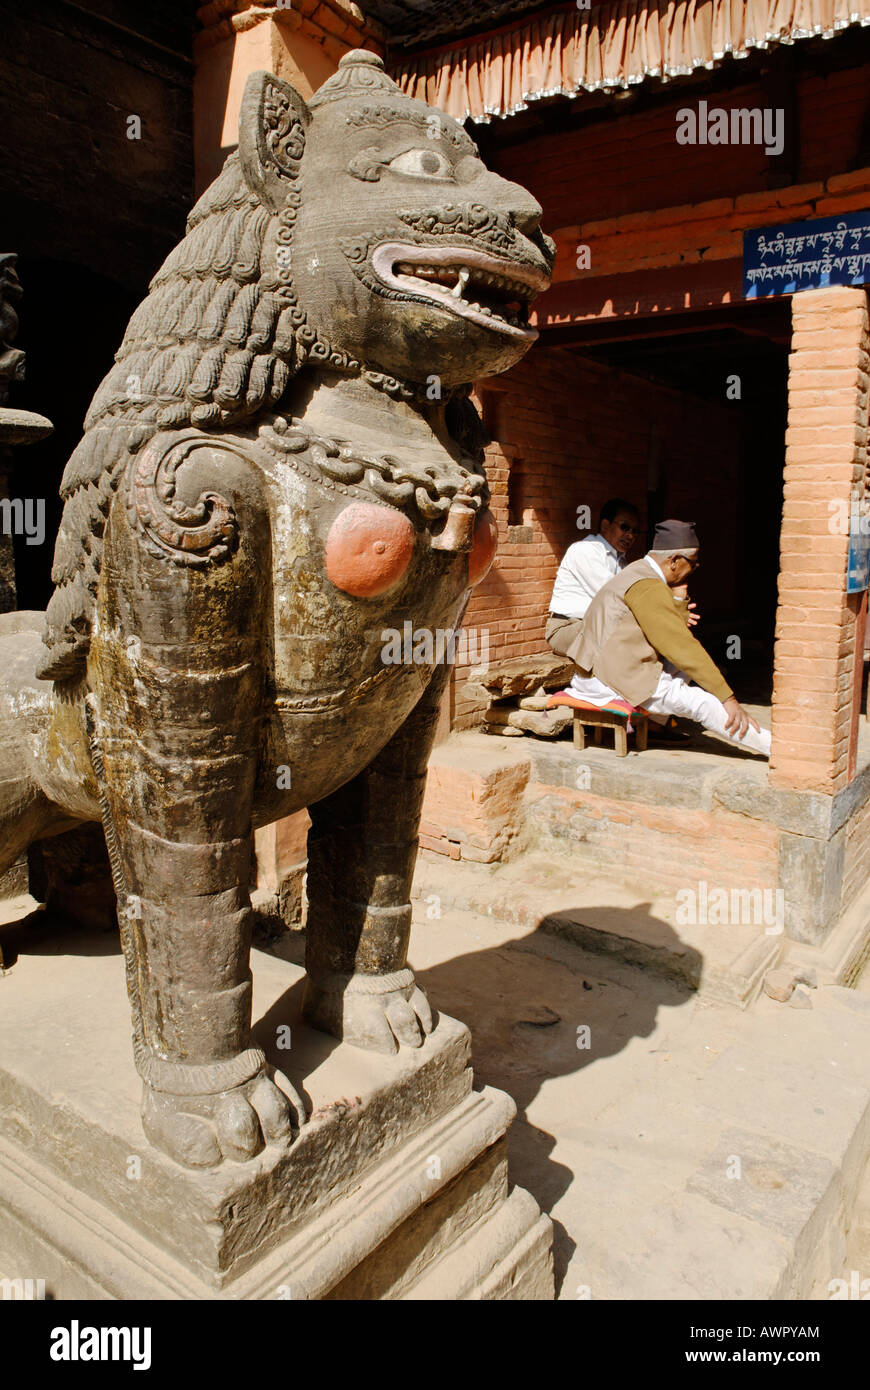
[{"x": 587, "y": 566}]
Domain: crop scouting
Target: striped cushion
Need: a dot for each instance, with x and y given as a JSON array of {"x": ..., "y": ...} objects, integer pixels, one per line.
[{"x": 615, "y": 706}]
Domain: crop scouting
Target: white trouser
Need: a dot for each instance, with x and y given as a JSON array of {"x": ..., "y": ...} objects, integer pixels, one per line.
[{"x": 675, "y": 695}]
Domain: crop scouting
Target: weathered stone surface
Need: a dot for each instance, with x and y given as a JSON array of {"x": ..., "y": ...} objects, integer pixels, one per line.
[
  {"x": 270, "y": 531},
  {"x": 853, "y": 796},
  {"x": 801, "y": 998},
  {"x": 538, "y": 701},
  {"x": 811, "y": 874},
  {"x": 749, "y": 794},
  {"x": 778, "y": 1185},
  {"x": 87, "y": 1252},
  {"x": 473, "y": 690},
  {"x": 546, "y": 724},
  {"x": 524, "y": 675},
  {"x": 650, "y": 780},
  {"x": 538, "y": 892},
  {"x": 478, "y": 805}
]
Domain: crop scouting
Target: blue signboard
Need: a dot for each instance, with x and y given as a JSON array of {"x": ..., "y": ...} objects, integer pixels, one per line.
[
  {"x": 858, "y": 569},
  {"x": 807, "y": 255}
]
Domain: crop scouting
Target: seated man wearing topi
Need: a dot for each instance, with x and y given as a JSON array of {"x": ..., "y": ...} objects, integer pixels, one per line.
[{"x": 635, "y": 644}]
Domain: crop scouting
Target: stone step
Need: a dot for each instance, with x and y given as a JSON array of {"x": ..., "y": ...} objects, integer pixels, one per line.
[
  {"x": 523, "y": 675},
  {"x": 538, "y": 891},
  {"x": 746, "y": 1179}
]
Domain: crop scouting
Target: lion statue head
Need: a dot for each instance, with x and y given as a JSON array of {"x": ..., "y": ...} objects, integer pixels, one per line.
[{"x": 358, "y": 233}]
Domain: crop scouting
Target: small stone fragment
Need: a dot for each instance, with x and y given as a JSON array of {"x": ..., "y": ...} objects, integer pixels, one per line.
[
  {"x": 807, "y": 975},
  {"x": 544, "y": 723},
  {"x": 801, "y": 999},
  {"x": 540, "y": 1016},
  {"x": 538, "y": 701},
  {"x": 779, "y": 983}
]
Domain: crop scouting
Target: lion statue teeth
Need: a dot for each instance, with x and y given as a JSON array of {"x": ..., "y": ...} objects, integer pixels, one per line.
[{"x": 282, "y": 464}]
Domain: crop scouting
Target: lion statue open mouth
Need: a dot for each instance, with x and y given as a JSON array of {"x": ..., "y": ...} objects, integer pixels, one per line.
[
  {"x": 474, "y": 285},
  {"x": 282, "y": 461}
]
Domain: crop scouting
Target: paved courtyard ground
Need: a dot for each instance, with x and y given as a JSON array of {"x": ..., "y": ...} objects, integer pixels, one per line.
[{"x": 690, "y": 1150}]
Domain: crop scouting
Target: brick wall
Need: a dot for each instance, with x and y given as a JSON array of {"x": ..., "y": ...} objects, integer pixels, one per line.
[
  {"x": 631, "y": 162},
  {"x": 76, "y": 191},
  {"x": 572, "y": 432},
  {"x": 664, "y": 222},
  {"x": 663, "y": 847},
  {"x": 826, "y": 455},
  {"x": 335, "y": 25},
  {"x": 856, "y": 867},
  {"x": 684, "y": 256}
]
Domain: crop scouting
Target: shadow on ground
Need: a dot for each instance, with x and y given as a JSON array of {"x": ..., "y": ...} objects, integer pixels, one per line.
[
  {"x": 49, "y": 933},
  {"x": 540, "y": 1008}
]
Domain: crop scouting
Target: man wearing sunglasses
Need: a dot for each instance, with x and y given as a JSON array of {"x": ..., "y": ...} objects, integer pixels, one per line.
[
  {"x": 586, "y": 567},
  {"x": 636, "y": 644}
]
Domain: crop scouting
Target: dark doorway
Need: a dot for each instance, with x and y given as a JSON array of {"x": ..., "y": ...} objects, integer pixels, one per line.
[{"x": 739, "y": 362}]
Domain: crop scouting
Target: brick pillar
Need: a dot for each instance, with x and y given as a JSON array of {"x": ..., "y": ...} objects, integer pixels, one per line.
[
  {"x": 826, "y": 449},
  {"x": 301, "y": 42}
]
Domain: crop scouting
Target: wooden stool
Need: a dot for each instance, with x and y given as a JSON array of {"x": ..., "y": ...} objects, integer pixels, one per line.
[{"x": 616, "y": 716}]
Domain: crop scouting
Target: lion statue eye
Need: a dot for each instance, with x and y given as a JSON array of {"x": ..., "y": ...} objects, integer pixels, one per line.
[{"x": 427, "y": 164}]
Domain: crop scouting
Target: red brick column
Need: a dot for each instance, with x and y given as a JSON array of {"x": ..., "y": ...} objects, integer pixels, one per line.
[
  {"x": 301, "y": 42},
  {"x": 826, "y": 449}
]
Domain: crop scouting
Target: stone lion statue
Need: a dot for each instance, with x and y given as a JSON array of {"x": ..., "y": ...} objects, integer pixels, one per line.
[{"x": 282, "y": 463}]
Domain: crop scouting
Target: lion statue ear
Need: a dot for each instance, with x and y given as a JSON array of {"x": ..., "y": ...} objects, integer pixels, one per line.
[{"x": 272, "y": 126}]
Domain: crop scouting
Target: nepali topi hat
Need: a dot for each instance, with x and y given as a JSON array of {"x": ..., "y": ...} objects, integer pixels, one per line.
[{"x": 675, "y": 535}]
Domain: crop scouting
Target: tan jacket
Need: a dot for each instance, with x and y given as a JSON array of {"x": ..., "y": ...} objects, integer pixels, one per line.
[{"x": 615, "y": 643}]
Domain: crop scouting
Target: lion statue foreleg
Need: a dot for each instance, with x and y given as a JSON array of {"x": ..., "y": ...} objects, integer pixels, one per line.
[
  {"x": 177, "y": 671},
  {"x": 362, "y": 849}
]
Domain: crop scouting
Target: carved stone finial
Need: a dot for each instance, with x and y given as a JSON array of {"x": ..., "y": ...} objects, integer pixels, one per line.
[
  {"x": 360, "y": 74},
  {"x": 361, "y": 57}
]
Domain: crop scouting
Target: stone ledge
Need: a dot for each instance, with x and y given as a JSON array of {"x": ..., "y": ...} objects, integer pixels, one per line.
[
  {"x": 842, "y": 958},
  {"x": 642, "y": 777},
  {"x": 355, "y": 1197},
  {"x": 69, "y": 1097},
  {"x": 377, "y": 1236},
  {"x": 724, "y": 965}
]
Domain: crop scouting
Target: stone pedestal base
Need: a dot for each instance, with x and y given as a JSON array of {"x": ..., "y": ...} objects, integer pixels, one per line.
[{"x": 396, "y": 1189}]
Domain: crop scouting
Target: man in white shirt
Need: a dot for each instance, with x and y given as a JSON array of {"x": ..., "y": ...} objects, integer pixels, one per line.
[{"x": 587, "y": 566}]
